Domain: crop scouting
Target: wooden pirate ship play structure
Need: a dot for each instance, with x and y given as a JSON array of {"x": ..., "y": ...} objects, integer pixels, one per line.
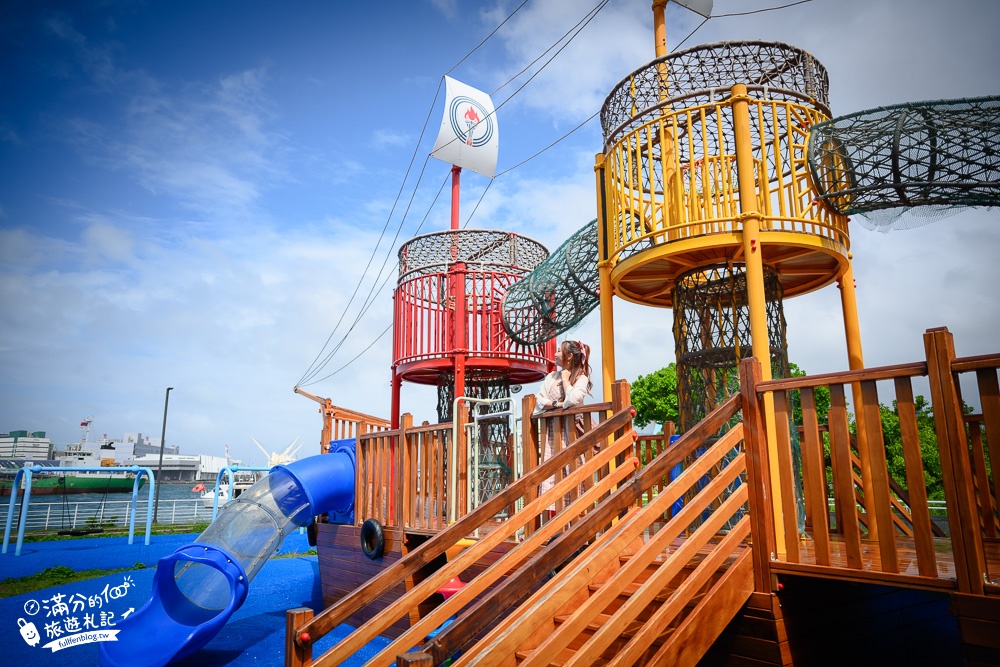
[{"x": 775, "y": 530}]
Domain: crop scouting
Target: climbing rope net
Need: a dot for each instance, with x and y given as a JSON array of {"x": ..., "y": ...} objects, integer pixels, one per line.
[
  {"x": 712, "y": 335},
  {"x": 482, "y": 249},
  {"x": 698, "y": 75}
]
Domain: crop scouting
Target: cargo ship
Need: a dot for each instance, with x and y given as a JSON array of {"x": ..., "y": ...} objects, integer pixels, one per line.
[
  {"x": 98, "y": 454},
  {"x": 43, "y": 484}
]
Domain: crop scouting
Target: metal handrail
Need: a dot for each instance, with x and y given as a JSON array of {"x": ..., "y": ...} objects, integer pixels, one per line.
[{"x": 50, "y": 516}]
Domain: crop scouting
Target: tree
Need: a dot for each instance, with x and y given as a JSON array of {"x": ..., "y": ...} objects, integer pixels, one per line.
[
  {"x": 931, "y": 457},
  {"x": 654, "y": 397},
  {"x": 821, "y": 397}
]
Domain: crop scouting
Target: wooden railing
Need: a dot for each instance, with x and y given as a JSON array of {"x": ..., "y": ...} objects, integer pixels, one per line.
[
  {"x": 870, "y": 536},
  {"x": 560, "y": 428},
  {"x": 648, "y": 447},
  {"x": 303, "y": 630},
  {"x": 350, "y": 424},
  {"x": 412, "y": 477},
  {"x": 341, "y": 423}
]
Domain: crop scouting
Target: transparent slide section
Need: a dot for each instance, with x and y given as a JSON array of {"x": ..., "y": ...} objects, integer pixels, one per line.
[{"x": 198, "y": 587}]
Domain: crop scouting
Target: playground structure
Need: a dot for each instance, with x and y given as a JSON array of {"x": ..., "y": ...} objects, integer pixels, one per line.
[
  {"x": 611, "y": 580},
  {"x": 447, "y": 327},
  {"x": 26, "y": 472},
  {"x": 708, "y": 203}
]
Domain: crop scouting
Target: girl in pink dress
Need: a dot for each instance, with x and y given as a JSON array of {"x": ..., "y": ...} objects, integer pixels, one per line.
[{"x": 565, "y": 387}]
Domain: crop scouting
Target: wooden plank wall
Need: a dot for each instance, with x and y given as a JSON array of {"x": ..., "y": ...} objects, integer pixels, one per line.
[
  {"x": 820, "y": 622},
  {"x": 756, "y": 637},
  {"x": 979, "y": 625},
  {"x": 343, "y": 567}
]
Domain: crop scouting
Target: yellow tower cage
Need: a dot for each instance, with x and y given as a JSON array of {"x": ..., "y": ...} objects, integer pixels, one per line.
[
  {"x": 706, "y": 206},
  {"x": 674, "y": 199}
]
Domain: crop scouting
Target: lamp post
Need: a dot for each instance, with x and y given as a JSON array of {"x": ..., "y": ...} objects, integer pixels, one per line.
[{"x": 159, "y": 467}]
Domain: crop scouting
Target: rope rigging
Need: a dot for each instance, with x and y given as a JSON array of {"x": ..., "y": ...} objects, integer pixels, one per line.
[{"x": 318, "y": 364}]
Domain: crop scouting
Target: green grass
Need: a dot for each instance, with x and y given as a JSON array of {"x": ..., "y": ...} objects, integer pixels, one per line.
[
  {"x": 308, "y": 552},
  {"x": 54, "y": 576},
  {"x": 119, "y": 531}
]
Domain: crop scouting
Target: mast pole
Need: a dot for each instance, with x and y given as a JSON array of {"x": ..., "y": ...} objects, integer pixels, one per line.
[
  {"x": 457, "y": 290},
  {"x": 660, "y": 27},
  {"x": 456, "y": 178}
]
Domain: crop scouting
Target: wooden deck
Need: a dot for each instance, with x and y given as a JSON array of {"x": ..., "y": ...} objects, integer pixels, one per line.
[
  {"x": 547, "y": 598},
  {"x": 872, "y": 566}
]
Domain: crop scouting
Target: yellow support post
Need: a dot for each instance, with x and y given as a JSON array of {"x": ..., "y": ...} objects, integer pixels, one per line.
[
  {"x": 855, "y": 360},
  {"x": 852, "y": 329},
  {"x": 660, "y": 27},
  {"x": 605, "y": 291},
  {"x": 756, "y": 302}
]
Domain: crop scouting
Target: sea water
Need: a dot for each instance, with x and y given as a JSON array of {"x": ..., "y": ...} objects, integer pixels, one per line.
[
  {"x": 170, "y": 491},
  {"x": 64, "y": 511}
]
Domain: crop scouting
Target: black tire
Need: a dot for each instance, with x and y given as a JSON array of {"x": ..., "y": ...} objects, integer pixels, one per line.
[
  {"x": 311, "y": 530},
  {"x": 372, "y": 539}
]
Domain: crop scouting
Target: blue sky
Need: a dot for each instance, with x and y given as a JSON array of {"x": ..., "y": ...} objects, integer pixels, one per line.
[{"x": 191, "y": 191}]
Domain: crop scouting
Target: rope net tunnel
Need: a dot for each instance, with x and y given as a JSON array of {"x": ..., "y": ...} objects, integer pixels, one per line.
[
  {"x": 558, "y": 294},
  {"x": 941, "y": 153}
]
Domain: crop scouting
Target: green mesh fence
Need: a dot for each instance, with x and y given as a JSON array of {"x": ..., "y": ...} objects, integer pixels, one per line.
[
  {"x": 942, "y": 153},
  {"x": 558, "y": 294}
]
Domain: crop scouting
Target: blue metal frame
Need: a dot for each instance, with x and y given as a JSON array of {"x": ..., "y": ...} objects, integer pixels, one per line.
[{"x": 26, "y": 472}]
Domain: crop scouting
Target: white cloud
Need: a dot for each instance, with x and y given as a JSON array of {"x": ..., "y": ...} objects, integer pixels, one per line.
[
  {"x": 573, "y": 85},
  {"x": 390, "y": 139},
  {"x": 223, "y": 289}
]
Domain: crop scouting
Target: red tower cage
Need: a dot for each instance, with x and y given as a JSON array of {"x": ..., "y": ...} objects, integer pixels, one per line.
[{"x": 448, "y": 322}]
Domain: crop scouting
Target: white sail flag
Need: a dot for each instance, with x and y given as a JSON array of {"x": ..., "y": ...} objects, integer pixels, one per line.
[{"x": 468, "y": 136}]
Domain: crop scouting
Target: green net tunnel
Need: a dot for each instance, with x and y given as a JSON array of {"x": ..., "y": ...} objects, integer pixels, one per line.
[
  {"x": 937, "y": 153},
  {"x": 558, "y": 294}
]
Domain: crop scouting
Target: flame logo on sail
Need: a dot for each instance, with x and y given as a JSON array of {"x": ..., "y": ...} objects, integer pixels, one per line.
[
  {"x": 471, "y": 120},
  {"x": 475, "y": 125},
  {"x": 468, "y": 136}
]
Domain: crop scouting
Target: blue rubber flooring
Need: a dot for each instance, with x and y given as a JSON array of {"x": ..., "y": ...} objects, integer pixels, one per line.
[{"x": 255, "y": 635}]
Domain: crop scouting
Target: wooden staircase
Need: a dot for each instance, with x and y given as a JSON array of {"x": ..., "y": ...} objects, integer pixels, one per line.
[
  {"x": 619, "y": 635},
  {"x": 609, "y": 580},
  {"x": 644, "y": 591},
  {"x": 624, "y": 606}
]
